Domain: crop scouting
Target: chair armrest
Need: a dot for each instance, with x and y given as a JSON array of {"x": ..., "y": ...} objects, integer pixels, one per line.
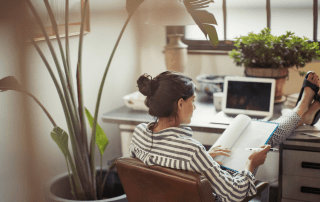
[{"x": 260, "y": 186}]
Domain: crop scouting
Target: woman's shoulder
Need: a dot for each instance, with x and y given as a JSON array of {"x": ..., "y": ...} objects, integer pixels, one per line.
[
  {"x": 192, "y": 141},
  {"x": 142, "y": 126},
  {"x": 183, "y": 131}
]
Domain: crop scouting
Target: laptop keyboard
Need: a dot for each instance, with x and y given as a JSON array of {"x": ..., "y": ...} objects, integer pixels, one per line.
[{"x": 253, "y": 117}]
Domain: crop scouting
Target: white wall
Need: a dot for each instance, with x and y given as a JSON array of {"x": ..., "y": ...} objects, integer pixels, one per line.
[
  {"x": 12, "y": 151},
  {"x": 98, "y": 45}
]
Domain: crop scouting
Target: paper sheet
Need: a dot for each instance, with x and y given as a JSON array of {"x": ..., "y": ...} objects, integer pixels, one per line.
[
  {"x": 231, "y": 134},
  {"x": 255, "y": 135},
  {"x": 243, "y": 133}
]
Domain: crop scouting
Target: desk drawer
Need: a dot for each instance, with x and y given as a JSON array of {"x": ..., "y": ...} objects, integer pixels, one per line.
[
  {"x": 289, "y": 200},
  {"x": 301, "y": 163},
  {"x": 300, "y": 188}
]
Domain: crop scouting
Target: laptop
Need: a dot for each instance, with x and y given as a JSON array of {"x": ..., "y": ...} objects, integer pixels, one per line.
[{"x": 251, "y": 96}]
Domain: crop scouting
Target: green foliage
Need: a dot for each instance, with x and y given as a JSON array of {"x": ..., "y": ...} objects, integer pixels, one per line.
[
  {"x": 204, "y": 19},
  {"x": 265, "y": 50},
  {"x": 101, "y": 138},
  {"x": 61, "y": 139}
]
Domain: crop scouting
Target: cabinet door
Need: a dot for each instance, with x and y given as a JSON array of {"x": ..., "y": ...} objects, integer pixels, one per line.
[
  {"x": 289, "y": 200},
  {"x": 301, "y": 163},
  {"x": 126, "y": 132},
  {"x": 301, "y": 188}
]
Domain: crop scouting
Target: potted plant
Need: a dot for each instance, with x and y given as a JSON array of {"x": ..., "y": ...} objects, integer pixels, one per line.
[
  {"x": 84, "y": 181},
  {"x": 266, "y": 55}
]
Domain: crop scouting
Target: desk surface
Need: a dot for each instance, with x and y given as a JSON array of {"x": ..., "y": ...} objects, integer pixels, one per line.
[{"x": 200, "y": 120}]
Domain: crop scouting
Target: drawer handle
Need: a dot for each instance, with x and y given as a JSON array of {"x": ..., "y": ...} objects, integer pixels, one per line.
[
  {"x": 310, "y": 190},
  {"x": 310, "y": 165}
]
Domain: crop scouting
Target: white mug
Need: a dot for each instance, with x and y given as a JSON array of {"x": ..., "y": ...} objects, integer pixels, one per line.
[{"x": 217, "y": 100}]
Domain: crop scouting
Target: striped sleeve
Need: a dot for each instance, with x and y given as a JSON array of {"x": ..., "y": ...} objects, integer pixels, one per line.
[
  {"x": 228, "y": 187},
  {"x": 132, "y": 154}
]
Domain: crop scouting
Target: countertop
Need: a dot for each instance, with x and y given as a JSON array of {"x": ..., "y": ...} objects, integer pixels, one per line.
[{"x": 200, "y": 120}]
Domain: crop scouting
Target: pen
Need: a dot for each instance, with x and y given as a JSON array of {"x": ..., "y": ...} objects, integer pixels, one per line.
[{"x": 259, "y": 149}]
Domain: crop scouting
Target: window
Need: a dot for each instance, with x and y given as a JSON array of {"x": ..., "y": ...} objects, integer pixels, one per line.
[{"x": 236, "y": 18}]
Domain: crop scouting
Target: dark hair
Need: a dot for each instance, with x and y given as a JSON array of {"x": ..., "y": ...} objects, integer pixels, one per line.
[{"x": 164, "y": 91}]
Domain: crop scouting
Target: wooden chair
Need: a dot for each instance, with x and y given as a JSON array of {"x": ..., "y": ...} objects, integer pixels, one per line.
[{"x": 144, "y": 183}]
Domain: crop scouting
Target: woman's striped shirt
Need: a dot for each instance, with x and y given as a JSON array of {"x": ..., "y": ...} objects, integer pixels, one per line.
[{"x": 174, "y": 147}]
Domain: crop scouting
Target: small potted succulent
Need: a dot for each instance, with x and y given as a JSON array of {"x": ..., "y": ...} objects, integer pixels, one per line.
[{"x": 266, "y": 55}]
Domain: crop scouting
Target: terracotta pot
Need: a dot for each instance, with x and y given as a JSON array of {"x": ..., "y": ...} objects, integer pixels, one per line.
[
  {"x": 279, "y": 75},
  {"x": 58, "y": 189}
]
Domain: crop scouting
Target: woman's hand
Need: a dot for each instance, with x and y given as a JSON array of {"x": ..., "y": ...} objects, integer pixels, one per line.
[
  {"x": 257, "y": 158},
  {"x": 218, "y": 150}
]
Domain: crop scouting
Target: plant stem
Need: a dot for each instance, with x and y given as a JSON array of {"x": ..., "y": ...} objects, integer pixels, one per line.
[
  {"x": 71, "y": 184},
  {"x": 66, "y": 27},
  {"x": 94, "y": 126},
  {"x": 83, "y": 135},
  {"x": 106, "y": 176},
  {"x": 37, "y": 17},
  {"x": 65, "y": 101},
  {"x": 80, "y": 191},
  {"x": 66, "y": 67},
  {"x": 55, "y": 28},
  {"x": 42, "y": 107},
  {"x": 79, "y": 80},
  {"x": 100, "y": 184},
  {"x": 67, "y": 96},
  {"x": 69, "y": 76}
]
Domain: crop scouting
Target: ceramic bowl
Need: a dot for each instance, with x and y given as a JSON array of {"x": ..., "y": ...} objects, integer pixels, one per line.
[
  {"x": 211, "y": 83},
  {"x": 135, "y": 101}
]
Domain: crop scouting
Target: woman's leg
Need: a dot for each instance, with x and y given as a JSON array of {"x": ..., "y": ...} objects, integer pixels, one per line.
[{"x": 298, "y": 116}]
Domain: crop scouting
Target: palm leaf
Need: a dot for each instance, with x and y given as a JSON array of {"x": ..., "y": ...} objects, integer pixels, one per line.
[
  {"x": 132, "y": 5},
  {"x": 204, "y": 19},
  {"x": 9, "y": 83},
  {"x": 101, "y": 138},
  {"x": 61, "y": 139}
]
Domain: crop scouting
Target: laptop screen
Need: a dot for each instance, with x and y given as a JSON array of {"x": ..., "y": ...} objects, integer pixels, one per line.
[{"x": 247, "y": 95}]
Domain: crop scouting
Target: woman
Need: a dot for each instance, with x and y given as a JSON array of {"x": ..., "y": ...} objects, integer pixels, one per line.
[{"x": 170, "y": 98}]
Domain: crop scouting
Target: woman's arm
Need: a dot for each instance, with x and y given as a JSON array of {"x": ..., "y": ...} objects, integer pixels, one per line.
[{"x": 230, "y": 187}]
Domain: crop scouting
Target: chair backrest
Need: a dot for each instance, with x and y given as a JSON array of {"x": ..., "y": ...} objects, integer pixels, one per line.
[{"x": 157, "y": 184}]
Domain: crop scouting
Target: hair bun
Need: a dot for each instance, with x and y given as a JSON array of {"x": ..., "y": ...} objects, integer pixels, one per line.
[{"x": 144, "y": 84}]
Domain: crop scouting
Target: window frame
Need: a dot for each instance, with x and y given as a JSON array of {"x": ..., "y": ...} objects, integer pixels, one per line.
[{"x": 227, "y": 45}]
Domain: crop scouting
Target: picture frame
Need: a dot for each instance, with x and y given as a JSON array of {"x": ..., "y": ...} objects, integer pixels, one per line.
[{"x": 58, "y": 8}]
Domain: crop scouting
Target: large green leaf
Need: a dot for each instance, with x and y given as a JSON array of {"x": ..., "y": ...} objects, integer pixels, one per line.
[
  {"x": 101, "y": 138},
  {"x": 132, "y": 5},
  {"x": 204, "y": 19},
  {"x": 61, "y": 138},
  {"x": 9, "y": 83}
]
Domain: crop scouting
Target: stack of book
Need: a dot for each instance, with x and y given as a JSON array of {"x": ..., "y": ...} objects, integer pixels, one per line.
[{"x": 291, "y": 100}]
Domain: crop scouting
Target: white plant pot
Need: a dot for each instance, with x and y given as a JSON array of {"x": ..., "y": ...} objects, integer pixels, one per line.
[{"x": 58, "y": 189}]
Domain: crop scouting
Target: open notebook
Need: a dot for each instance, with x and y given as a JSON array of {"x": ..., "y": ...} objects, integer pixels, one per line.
[
  {"x": 243, "y": 133},
  {"x": 253, "y": 97}
]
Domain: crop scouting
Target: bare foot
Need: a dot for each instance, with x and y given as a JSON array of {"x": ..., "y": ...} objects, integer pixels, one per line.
[
  {"x": 308, "y": 117},
  {"x": 307, "y": 95}
]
